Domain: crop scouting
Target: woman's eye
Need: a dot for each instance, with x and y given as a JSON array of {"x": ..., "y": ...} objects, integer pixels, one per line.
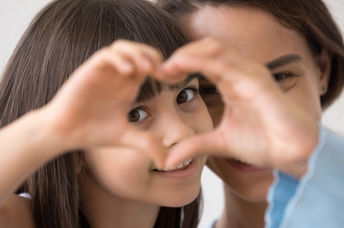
[
  {"x": 208, "y": 90},
  {"x": 285, "y": 80},
  {"x": 282, "y": 76},
  {"x": 186, "y": 95},
  {"x": 137, "y": 115}
]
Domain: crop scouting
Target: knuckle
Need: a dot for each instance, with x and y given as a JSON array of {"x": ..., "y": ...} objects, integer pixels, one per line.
[
  {"x": 217, "y": 47},
  {"x": 210, "y": 39},
  {"x": 101, "y": 55},
  {"x": 120, "y": 43}
]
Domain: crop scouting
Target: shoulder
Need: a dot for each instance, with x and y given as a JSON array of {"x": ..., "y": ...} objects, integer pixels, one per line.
[{"x": 16, "y": 213}]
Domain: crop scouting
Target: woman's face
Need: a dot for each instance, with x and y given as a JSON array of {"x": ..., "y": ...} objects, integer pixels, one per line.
[
  {"x": 171, "y": 115},
  {"x": 258, "y": 35}
]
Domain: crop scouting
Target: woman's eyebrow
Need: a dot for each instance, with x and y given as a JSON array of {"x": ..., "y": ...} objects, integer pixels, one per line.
[{"x": 283, "y": 60}]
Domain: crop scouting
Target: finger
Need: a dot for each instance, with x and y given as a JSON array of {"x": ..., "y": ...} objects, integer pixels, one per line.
[
  {"x": 145, "y": 58},
  {"x": 150, "y": 52},
  {"x": 172, "y": 75},
  {"x": 230, "y": 79},
  {"x": 153, "y": 54},
  {"x": 172, "y": 70},
  {"x": 206, "y": 49},
  {"x": 119, "y": 63},
  {"x": 178, "y": 67},
  {"x": 105, "y": 60},
  {"x": 114, "y": 69},
  {"x": 208, "y": 143},
  {"x": 146, "y": 143},
  {"x": 210, "y": 57}
]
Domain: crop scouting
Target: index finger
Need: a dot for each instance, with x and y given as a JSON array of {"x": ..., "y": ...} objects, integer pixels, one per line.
[{"x": 208, "y": 143}]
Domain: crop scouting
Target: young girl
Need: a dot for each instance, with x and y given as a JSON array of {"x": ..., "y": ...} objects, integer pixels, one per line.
[
  {"x": 299, "y": 43},
  {"x": 85, "y": 148}
]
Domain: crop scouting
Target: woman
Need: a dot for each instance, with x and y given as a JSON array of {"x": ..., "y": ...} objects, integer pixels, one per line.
[
  {"x": 79, "y": 133},
  {"x": 301, "y": 47}
]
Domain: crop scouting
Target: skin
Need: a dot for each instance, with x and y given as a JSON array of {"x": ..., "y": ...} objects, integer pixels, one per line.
[
  {"x": 240, "y": 59},
  {"x": 134, "y": 196},
  {"x": 90, "y": 112},
  {"x": 283, "y": 139}
]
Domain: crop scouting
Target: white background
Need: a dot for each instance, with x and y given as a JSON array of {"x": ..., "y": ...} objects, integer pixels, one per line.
[{"x": 15, "y": 15}]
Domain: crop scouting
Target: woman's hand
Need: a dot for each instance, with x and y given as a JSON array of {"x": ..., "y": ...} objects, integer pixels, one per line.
[
  {"x": 260, "y": 125},
  {"x": 91, "y": 108}
]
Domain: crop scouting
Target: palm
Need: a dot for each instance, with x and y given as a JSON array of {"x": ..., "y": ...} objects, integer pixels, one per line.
[
  {"x": 260, "y": 124},
  {"x": 86, "y": 104},
  {"x": 91, "y": 108},
  {"x": 249, "y": 131}
]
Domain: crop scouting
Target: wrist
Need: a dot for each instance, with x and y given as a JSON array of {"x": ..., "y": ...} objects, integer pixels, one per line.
[
  {"x": 42, "y": 135},
  {"x": 298, "y": 166}
]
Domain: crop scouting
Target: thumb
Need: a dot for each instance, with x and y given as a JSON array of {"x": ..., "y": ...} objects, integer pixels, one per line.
[
  {"x": 208, "y": 143},
  {"x": 145, "y": 142}
]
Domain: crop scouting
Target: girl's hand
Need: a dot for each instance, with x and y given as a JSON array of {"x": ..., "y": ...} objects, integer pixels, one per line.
[
  {"x": 91, "y": 108},
  {"x": 260, "y": 125}
]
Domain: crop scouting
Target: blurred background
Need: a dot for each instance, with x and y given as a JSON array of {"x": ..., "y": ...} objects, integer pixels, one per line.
[{"x": 15, "y": 16}]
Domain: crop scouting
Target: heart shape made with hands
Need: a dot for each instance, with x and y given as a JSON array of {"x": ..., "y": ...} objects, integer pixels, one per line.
[
  {"x": 255, "y": 121},
  {"x": 259, "y": 124}
]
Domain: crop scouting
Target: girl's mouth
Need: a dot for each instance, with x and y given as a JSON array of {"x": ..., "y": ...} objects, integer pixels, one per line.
[
  {"x": 184, "y": 170},
  {"x": 180, "y": 166}
]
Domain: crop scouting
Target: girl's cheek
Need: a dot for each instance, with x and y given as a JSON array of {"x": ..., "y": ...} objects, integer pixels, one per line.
[
  {"x": 192, "y": 106},
  {"x": 199, "y": 116},
  {"x": 144, "y": 125}
]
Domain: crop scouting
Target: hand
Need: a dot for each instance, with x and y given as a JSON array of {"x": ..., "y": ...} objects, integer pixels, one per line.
[
  {"x": 260, "y": 125},
  {"x": 91, "y": 108}
]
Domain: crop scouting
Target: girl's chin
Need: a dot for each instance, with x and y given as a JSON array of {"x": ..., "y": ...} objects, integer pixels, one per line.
[{"x": 179, "y": 200}]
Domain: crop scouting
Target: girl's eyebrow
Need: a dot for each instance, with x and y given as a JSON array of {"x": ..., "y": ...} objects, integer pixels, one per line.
[
  {"x": 154, "y": 88},
  {"x": 283, "y": 60}
]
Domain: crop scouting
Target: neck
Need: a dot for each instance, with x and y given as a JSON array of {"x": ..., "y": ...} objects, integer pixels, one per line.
[
  {"x": 240, "y": 213},
  {"x": 104, "y": 210}
]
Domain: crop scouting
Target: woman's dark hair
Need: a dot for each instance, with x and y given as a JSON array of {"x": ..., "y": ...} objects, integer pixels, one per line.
[
  {"x": 61, "y": 37},
  {"x": 309, "y": 17}
]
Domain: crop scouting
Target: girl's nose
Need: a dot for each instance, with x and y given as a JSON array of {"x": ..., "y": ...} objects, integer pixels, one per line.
[{"x": 174, "y": 130}]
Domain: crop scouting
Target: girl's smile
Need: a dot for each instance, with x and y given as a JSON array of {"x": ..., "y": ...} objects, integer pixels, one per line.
[
  {"x": 171, "y": 113},
  {"x": 186, "y": 169}
]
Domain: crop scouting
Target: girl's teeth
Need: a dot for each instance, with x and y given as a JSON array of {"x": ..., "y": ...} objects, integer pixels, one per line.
[{"x": 179, "y": 166}]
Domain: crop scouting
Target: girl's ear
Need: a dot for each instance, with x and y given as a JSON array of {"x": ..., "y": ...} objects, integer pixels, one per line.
[{"x": 323, "y": 61}]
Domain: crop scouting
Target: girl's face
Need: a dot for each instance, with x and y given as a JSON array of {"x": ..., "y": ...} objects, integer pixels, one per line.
[
  {"x": 258, "y": 35},
  {"x": 171, "y": 115}
]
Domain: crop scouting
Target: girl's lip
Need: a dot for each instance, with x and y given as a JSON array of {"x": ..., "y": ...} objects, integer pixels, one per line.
[
  {"x": 186, "y": 172},
  {"x": 244, "y": 167}
]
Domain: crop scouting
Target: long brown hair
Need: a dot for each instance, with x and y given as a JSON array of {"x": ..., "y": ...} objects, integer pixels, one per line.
[
  {"x": 61, "y": 37},
  {"x": 311, "y": 18}
]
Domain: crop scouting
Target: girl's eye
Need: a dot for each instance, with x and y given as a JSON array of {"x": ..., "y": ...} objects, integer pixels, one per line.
[
  {"x": 137, "y": 115},
  {"x": 186, "y": 95}
]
